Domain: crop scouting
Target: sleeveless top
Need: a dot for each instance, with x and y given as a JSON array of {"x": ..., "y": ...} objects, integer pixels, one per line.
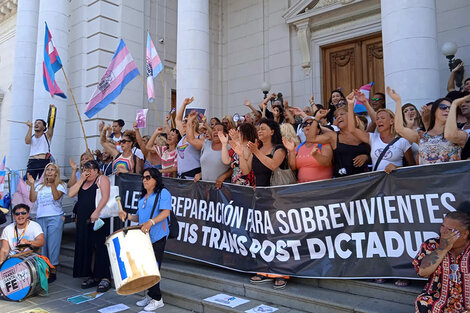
[
  {"x": 437, "y": 149},
  {"x": 39, "y": 145},
  {"x": 343, "y": 157},
  {"x": 147, "y": 165},
  {"x": 263, "y": 173},
  {"x": 188, "y": 157},
  {"x": 86, "y": 202},
  {"x": 124, "y": 163},
  {"x": 308, "y": 168}
]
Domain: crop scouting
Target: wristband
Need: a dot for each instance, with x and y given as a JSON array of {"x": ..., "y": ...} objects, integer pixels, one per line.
[
  {"x": 127, "y": 215},
  {"x": 151, "y": 220}
]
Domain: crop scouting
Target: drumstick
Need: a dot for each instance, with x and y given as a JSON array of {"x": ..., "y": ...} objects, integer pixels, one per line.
[
  {"x": 18, "y": 122},
  {"x": 118, "y": 200}
]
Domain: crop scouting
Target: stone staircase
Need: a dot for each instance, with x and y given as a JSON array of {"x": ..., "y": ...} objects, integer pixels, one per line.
[{"x": 186, "y": 283}]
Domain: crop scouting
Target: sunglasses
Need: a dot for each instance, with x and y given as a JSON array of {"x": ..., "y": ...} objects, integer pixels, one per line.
[
  {"x": 21, "y": 213},
  {"x": 454, "y": 276},
  {"x": 376, "y": 99},
  {"x": 340, "y": 104},
  {"x": 408, "y": 110},
  {"x": 185, "y": 121},
  {"x": 146, "y": 177},
  {"x": 305, "y": 124},
  {"x": 443, "y": 106},
  {"x": 124, "y": 141}
]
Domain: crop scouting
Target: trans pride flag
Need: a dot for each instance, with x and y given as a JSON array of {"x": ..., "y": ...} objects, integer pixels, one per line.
[
  {"x": 153, "y": 65},
  {"x": 119, "y": 73},
  {"x": 2, "y": 176},
  {"x": 50, "y": 66}
]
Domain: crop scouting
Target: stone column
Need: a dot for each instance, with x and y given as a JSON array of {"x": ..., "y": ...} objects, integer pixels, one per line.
[
  {"x": 22, "y": 93},
  {"x": 192, "y": 60},
  {"x": 409, "y": 35},
  {"x": 55, "y": 13}
]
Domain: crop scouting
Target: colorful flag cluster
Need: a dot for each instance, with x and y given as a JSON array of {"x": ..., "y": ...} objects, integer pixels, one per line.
[
  {"x": 50, "y": 66},
  {"x": 119, "y": 73}
]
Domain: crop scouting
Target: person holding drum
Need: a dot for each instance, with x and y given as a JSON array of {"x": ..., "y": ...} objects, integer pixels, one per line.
[
  {"x": 22, "y": 231},
  {"x": 155, "y": 224},
  {"x": 48, "y": 198},
  {"x": 87, "y": 241}
]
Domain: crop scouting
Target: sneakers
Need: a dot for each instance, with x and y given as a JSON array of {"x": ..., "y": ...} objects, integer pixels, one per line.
[
  {"x": 146, "y": 300},
  {"x": 154, "y": 304}
]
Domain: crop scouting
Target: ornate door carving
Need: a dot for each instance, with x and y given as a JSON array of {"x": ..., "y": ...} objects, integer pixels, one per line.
[{"x": 352, "y": 64}]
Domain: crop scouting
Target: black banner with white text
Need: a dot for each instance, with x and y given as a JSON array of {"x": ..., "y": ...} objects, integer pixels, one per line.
[{"x": 365, "y": 226}]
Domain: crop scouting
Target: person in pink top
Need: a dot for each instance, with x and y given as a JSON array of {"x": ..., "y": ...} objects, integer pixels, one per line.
[{"x": 312, "y": 161}]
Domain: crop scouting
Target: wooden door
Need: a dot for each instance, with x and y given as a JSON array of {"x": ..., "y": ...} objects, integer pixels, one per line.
[{"x": 351, "y": 64}]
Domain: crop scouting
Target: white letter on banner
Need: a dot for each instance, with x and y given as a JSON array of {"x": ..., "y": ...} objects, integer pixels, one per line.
[
  {"x": 389, "y": 209},
  {"x": 409, "y": 243},
  {"x": 334, "y": 216},
  {"x": 205, "y": 230},
  {"x": 344, "y": 254},
  {"x": 272, "y": 251},
  {"x": 419, "y": 208},
  {"x": 391, "y": 236},
  {"x": 267, "y": 223},
  {"x": 179, "y": 206},
  {"x": 307, "y": 220},
  {"x": 284, "y": 228},
  {"x": 374, "y": 246},
  {"x": 405, "y": 209},
  {"x": 193, "y": 233},
  {"x": 294, "y": 221},
  {"x": 358, "y": 238},
  {"x": 254, "y": 248},
  {"x": 432, "y": 208},
  {"x": 294, "y": 245},
  {"x": 187, "y": 205},
  {"x": 321, "y": 214},
  {"x": 447, "y": 196},
  {"x": 311, "y": 243},
  {"x": 282, "y": 254},
  {"x": 348, "y": 213}
]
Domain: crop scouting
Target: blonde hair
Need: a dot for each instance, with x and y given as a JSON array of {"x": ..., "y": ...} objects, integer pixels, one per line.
[
  {"x": 392, "y": 115},
  {"x": 57, "y": 180},
  {"x": 231, "y": 123},
  {"x": 288, "y": 131}
]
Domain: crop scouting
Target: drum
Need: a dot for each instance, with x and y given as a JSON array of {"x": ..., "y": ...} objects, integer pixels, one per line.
[
  {"x": 133, "y": 262},
  {"x": 19, "y": 276}
]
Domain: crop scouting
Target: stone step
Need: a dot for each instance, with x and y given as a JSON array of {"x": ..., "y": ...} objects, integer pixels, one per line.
[
  {"x": 191, "y": 297},
  {"x": 296, "y": 295},
  {"x": 65, "y": 264},
  {"x": 222, "y": 279},
  {"x": 67, "y": 249}
]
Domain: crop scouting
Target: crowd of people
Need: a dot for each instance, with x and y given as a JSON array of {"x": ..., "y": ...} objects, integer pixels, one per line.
[{"x": 270, "y": 145}]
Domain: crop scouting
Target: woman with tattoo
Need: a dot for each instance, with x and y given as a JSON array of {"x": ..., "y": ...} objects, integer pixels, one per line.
[{"x": 445, "y": 261}]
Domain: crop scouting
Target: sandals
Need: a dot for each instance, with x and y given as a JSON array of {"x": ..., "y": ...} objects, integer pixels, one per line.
[
  {"x": 104, "y": 285},
  {"x": 88, "y": 283},
  {"x": 260, "y": 279},
  {"x": 280, "y": 283},
  {"x": 402, "y": 282}
]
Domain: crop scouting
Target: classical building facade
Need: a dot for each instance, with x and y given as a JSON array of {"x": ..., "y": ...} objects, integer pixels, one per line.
[{"x": 220, "y": 52}]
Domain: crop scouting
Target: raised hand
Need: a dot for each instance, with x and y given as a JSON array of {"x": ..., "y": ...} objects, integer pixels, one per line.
[
  {"x": 29, "y": 124},
  {"x": 393, "y": 94},
  {"x": 315, "y": 151},
  {"x": 73, "y": 165},
  {"x": 234, "y": 134},
  {"x": 187, "y": 101},
  {"x": 223, "y": 138},
  {"x": 462, "y": 100},
  {"x": 322, "y": 113},
  {"x": 350, "y": 98},
  {"x": 247, "y": 103},
  {"x": 236, "y": 147},
  {"x": 30, "y": 180},
  {"x": 457, "y": 67},
  {"x": 296, "y": 110},
  {"x": 253, "y": 146},
  {"x": 289, "y": 144},
  {"x": 360, "y": 96},
  {"x": 101, "y": 126},
  {"x": 192, "y": 116},
  {"x": 167, "y": 118}
]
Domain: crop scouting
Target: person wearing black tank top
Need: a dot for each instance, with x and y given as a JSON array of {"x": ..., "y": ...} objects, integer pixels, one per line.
[{"x": 349, "y": 153}]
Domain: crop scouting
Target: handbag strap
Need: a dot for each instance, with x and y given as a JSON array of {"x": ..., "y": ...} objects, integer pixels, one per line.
[
  {"x": 155, "y": 203},
  {"x": 385, "y": 151}
]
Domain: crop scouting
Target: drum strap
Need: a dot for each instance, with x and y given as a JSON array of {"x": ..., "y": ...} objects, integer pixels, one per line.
[
  {"x": 155, "y": 204},
  {"x": 22, "y": 234}
]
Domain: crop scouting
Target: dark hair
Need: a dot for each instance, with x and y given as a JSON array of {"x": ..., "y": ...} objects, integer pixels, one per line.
[
  {"x": 43, "y": 122},
  {"x": 224, "y": 127},
  {"x": 177, "y": 133},
  {"x": 155, "y": 174},
  {"x": 131, "y": 134},
  {"x": 331, "y": 95},
  {"x": 462, "y": 214},
  {"x": 381, "y": 94},
  {"x": 248, "y": 132},
  {"x": 217, "y": 120},
  {"x": 92, "y": 165},
  {"x": 465, "y": 81},
  {"x": 420, "y": 121},
  {"x": 276, "y": 138},
  {"x": 20, "y": 206},
  {"x": 432, "y": 116},
  {"x": 120, "y": 122}
]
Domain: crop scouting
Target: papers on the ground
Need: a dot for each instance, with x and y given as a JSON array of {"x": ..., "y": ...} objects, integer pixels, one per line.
[
  {"x": 84, "y": 297},
  {"x": 262, "y": 308},
  {"x": 223, "y": 299},
  {"x": 114, "y": 308},
  {"x": 38, "y": 310}
]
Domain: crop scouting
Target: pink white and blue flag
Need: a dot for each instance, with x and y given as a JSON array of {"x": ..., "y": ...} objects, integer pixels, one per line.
[
  {"x": 50, "y": 66},
  {"x": 153, "y": 65},
  {"x": 119, "y": 73},
  {"x": 2, "y": 176}
]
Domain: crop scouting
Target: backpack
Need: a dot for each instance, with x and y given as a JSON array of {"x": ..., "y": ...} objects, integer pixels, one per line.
[{"x": 173, "y": 225}]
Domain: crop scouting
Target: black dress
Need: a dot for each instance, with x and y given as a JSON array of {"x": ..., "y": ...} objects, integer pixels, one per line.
[
  {"x": 88, "y": 241},
  {"x": 343, "y": 157},
  {"x": 263, "y": 173}
]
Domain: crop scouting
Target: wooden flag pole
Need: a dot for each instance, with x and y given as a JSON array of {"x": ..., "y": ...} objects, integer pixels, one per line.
[
  {"x": 153, "y": 102},
  {"x": 76, "y": 107}
]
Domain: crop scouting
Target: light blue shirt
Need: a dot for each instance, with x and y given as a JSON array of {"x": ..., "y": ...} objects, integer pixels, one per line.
[{"x": 160, "y": 229}]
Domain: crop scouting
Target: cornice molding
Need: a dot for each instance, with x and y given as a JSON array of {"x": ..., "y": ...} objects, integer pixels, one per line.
[{"x": 7, "y": 9}]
